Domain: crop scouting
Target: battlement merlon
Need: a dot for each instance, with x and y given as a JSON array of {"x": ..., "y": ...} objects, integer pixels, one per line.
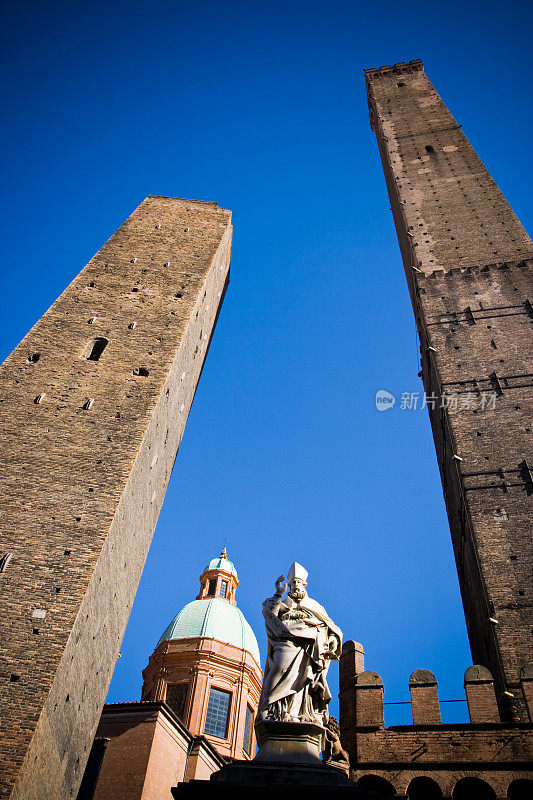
[
  {"x": 362, "y": 703},
  {"x": 401, "y": 68}
]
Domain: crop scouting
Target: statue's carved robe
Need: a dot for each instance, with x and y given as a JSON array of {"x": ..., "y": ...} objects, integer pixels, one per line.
[{"x": 302, "y": 640}]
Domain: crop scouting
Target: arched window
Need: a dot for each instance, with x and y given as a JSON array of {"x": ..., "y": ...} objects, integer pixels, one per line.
[
  {"x": 95, "y": 348},
  {"x": 423, "y": 788},
  {"x": 373, "y": 783},
  {"x": 521, "y": 789},
  {"x": 473, "y": 789}
]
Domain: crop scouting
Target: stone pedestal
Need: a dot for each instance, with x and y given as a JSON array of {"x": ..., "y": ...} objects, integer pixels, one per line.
[
  {"x": 288, "y": 757},
  {"x": 290, "y": 742}
]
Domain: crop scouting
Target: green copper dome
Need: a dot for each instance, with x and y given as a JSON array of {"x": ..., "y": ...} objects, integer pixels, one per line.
[
  {"x": 222, "y": 563},
  {"x": 214, "y": 618}
]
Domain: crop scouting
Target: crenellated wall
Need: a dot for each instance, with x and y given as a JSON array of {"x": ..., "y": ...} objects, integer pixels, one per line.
[{"x": 485, "y": 748}]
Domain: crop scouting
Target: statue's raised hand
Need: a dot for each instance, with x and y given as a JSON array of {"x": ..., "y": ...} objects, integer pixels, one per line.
[{"x": 280, "y": 585}]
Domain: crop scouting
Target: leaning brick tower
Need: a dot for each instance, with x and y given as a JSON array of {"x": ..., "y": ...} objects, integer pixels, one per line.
[
  {"x": 94, "y": 403},
  {"x": 468, "y": 265}
]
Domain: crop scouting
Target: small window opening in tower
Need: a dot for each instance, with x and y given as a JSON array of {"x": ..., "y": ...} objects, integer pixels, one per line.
[
  {"x": 429, "y": 149},
  {"x": 142, "y": 371},
  {"x": 96, "y": 347},
  {"x": 216, "y": 720},
  {"x": 212, "y": 587},
  {"x": 33, "y": 358},
  {"x": 223, "y": 589},
  {"x": 400, "y": 83}
]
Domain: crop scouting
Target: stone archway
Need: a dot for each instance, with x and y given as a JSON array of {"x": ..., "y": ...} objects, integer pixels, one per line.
[
  {"x": 423, "y": 788},
  {"x": 473, "y": 789},
  {"x": 520, "y": 789},
  {"x": 374, "y": 783}
]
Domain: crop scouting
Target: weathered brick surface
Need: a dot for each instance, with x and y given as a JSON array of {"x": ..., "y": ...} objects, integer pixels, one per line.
[
  {"x": 479, "y": 689},
  {"x": 424, "y": 698},
  {"x": 82, "y": 488},
  {"x": 487, "y": 748},
  {"x": 468, "y": 266}
]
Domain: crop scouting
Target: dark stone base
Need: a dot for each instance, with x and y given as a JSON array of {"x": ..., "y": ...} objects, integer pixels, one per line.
[
  {"x": 288, "y": 758},
  {"x": 274, "y": 773},
  {"x": 264, "y": 780}
]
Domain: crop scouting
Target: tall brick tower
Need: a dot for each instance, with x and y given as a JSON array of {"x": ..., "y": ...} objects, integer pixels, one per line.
[
  {"x": 94, "y": 403},
  {"x": 468, "y": 266}
]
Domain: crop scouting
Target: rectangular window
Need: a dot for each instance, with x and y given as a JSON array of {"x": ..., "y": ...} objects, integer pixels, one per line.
[
  {"x": 176, "y": 697},
  {"x": 248, "y": 726},
  {"x": 216, "y": 721},
  {"x": 212, "y": 587},
  {"x": 223, "y": 588}
]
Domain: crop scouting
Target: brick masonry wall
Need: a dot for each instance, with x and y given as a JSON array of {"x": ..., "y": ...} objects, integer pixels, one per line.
[
  {"x": 82, "y": 488},
  {"x": 489, "y": 493},
  {"x": 127, "y": 755},
  {"x": 468, "y": 266},
  {"x": 485, "y": 748}
]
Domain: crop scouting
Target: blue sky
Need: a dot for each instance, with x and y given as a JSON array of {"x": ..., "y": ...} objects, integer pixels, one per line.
[{"x": 261, "y": 107}]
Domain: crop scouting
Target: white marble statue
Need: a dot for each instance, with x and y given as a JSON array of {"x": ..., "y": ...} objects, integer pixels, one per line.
[{"x": 302, "y": 640}]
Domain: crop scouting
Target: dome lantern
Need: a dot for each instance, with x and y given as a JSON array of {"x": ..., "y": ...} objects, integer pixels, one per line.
[{"x": 219, "y": 579}]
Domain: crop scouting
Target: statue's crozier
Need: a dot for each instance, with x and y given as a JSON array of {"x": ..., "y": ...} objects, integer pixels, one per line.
[{"x": 302, "y": 640}]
